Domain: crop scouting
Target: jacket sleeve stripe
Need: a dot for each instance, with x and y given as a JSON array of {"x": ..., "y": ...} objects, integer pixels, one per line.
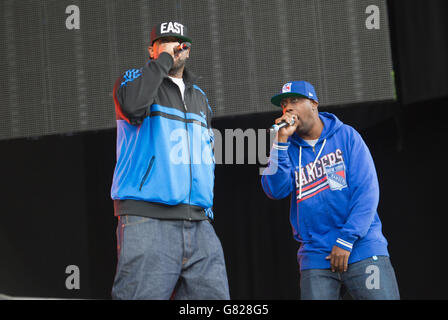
[
  {"x": 344, "y": 243},
  {"x": 174, "y": 112}
]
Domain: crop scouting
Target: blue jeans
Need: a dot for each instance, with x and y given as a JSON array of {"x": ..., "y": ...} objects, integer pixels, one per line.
[
  {"x": 163, "y": 259},
  {"x": 369, "y": 279}
]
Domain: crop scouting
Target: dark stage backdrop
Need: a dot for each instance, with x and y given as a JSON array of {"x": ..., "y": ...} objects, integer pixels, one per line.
[
  {"x": 56, "y": 212},
  {"x": 61, "y": 58},
  {"x": 419, "y": 37}
]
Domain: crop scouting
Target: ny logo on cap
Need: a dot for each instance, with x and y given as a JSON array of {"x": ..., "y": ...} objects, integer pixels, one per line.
[
  {"x": 172, "y": 27},
  {"x": 286, "y": 87}
]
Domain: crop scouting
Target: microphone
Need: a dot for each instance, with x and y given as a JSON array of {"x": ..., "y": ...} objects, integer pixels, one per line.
[
  {"x": 182, "y": 46},
  {"x": 280, "y": 125}
]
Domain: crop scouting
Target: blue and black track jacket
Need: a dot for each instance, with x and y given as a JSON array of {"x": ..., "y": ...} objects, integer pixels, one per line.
[{"x": 165, "y": 162}]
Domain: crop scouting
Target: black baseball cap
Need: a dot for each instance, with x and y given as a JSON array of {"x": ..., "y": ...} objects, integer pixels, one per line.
[{"x": 169, "y": 29}]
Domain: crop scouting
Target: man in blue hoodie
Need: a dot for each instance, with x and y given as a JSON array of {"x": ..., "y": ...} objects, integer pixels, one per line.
[{"x": 327, "y": 170}]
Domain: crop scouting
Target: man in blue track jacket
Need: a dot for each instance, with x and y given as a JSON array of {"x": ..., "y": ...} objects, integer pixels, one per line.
[
  {"x": 163, "y": 181},
  {"x": 327, "y": 170}
]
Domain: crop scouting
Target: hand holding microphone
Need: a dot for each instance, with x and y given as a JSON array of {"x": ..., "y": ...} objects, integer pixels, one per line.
[
  {"x": 174, "y": 48},
  {"x": 285, "y": 126},
  {"x": 281, "y": 124},
  {"x": 181, "y": 47}
]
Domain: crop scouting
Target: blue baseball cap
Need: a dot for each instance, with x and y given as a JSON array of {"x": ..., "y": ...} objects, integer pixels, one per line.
[{"x": 295, "y": 89}]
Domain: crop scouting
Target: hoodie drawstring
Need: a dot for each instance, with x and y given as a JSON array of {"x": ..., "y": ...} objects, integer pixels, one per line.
[{"x": 312, "y": 167}]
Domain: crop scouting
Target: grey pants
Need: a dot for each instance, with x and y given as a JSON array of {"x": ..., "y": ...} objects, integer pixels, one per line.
[
  {"x": 163, "y": 259},
  {"x": 369, "y": 279}
]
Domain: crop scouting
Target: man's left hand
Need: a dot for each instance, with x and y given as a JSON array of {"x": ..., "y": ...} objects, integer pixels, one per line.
[{"x": 338, "y": 259}]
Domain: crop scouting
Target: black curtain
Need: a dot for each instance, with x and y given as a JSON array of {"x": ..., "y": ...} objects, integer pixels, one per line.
[
  {"x": 57, "y": 212},
  {"x": 419, "y": 33}
]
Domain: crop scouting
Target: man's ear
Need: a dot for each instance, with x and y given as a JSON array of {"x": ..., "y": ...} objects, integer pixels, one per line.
[{"x": 151, "y": 52}]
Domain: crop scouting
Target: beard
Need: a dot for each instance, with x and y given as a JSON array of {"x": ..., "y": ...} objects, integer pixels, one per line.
[{"x": 177, "y": 67}]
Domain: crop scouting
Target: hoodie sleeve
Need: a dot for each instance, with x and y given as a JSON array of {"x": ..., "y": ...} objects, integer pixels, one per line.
[
  {"x": 135, "y": 90},
  {"x": 363, "y": 183},
  {"x": 277, "y": 179}
]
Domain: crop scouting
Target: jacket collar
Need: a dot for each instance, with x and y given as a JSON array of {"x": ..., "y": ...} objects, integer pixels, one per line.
[{"x": 190, "y": 78}]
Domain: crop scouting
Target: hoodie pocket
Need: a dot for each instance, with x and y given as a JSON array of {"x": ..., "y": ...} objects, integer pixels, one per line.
[{"x": 148, "y": 170}]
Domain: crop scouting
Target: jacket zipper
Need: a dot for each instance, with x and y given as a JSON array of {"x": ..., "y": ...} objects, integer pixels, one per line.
[
  {"x": 147, "y": 172},
  {"x": 188, "y": 144},
  {"x": 189, "y": 155}
]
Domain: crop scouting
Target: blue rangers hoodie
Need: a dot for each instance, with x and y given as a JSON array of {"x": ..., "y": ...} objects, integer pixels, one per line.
[{"x": 334, "y": 193}]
